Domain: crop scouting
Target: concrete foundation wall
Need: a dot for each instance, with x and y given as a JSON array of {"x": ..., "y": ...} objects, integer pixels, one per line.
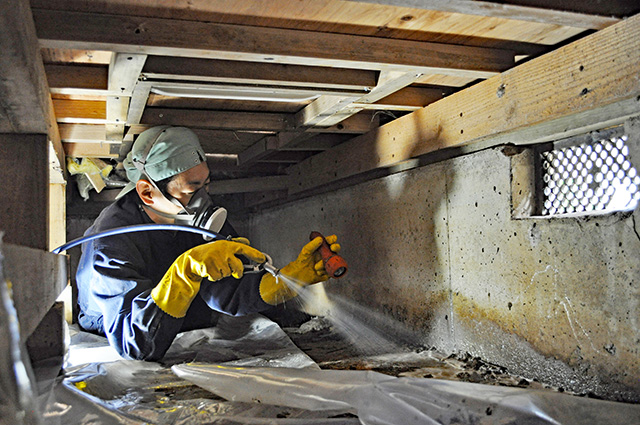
[{"x": 436, "y": 248}]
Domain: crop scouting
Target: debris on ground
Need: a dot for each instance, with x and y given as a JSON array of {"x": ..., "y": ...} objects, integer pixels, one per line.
[{"x": 318, "y": 339}]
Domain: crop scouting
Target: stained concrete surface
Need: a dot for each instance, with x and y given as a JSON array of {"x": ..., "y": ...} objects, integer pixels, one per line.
[
  {"x": 436, "y": 248},
  {"x": 566, "y": 289}
]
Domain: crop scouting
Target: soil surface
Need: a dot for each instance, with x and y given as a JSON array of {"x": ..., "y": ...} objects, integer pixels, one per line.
[{"x": 318, "y": 339}]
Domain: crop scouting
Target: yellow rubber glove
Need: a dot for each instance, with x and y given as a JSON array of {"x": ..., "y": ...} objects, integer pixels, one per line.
[
  {"x": 214, "y": 261},
  {"x": 307, "y": 269},
  {"x": 241, "y": 240}
]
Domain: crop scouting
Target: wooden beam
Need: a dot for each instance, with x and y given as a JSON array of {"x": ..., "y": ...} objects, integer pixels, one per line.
[
  {"x": 99, "y": 150},
  {"x": 124, "y": 72},
  {"x": 26, "y": 103},
  {"x": 291, "y": 157},
  {"x": 81, "y": 94},
  {"x": 586, "y": 85},
  {"x": 356, "y": 124},
  {"x": 212, "y": 141},
  {"x": 259, "y": 184},
  {"x": 171, "y": 37},
  {"x": 24, "y": 165},
  {"x": 75, "y": 56},
  {"x": 138, "y": 102},
  {"x": 82, "y": 132},
  {"x": 216, "y": 119},
  {"x": 79, "y": 110},
  {"x": 326, "y": 111},
  {"x": 37, "y": 277},
  {"x": 384, "y": 107},
  {"x": 368, "y": 19},
  {"x": 408, "y": 99},
  {"x": 258, "y": 151},
  {"x": 321, "y": 142},
  {"x": 416, "y": 96},
  {"x": 506, "y": 11},
  {"x": 273, "y": 145},
  {"x": 445, "y": 80},
  {"x": 330, "y": 110},
  {"x": 211, "y": 70},
  {"x": 77, "y": 76},
  {"x": 236, "y": 121},
  {"x": 308, "y": 141}
]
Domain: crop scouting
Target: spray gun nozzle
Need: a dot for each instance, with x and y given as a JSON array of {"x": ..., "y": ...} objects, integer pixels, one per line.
[
  {"x": 266, "y": 266},
  {"x": 271, "y": 269}
]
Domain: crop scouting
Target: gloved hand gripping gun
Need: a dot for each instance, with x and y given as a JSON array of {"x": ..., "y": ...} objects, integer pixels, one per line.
[{"x": 334, "y": 264}]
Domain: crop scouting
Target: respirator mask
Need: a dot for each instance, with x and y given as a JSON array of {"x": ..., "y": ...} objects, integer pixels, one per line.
[{"x": 199, "y": 212}]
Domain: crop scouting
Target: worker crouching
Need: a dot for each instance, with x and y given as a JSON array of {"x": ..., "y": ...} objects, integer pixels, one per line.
[{"x": 141, "y": 289}]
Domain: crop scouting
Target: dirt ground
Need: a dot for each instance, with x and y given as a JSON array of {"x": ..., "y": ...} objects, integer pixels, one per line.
[{"x": 330, "y": 350}]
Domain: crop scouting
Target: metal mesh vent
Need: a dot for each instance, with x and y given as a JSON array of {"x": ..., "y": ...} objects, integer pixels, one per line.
[{"x": 592, "y": 177}]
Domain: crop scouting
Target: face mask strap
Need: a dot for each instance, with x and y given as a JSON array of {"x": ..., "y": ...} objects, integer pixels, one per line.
[{"x": 179, "y": 217}]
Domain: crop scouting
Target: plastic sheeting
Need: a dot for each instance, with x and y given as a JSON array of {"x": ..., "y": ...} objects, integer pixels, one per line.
[
  {"x": 383, "y": 399},
  {"x": 247, "y": 371},
  {"x": 99, "y": 387}
]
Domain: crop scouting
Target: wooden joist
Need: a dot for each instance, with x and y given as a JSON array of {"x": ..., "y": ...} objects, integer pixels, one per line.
[
  {"x": 387, "y": 18},
  {"x": 586, "y": 85},
  {"x": 216, "y": 119},
  {"x": 77, "y": 76},
  {"x": 99, "y": 150},
  {"x": 271, "y": 148},
  {"x": 38, "y": 277},
  {"x": 310, "y": 141},
  {"x": 80, "y": 111},
  {"x": 172, "y": 37},
  {"x": 415, "y": 96},
  {"x": 82, "y": 132},
  {"x": 245, "y": 121},
  {"x": 236, "y": 186},
  {"x": 256, "y": 73},
  {"x": 124, "y": 72},
  {"x": 259, "y": 150},
  {"x": 138, "y": 102},
  {"x": 330, "y": 110},
  {"x": 506, "y": 11},
  {"x": 356, "y": 124},
  {"x": 26, "y": 103}
]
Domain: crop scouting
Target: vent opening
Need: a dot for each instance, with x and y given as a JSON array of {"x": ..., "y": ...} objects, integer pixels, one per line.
[{"x": 595, "y": 176}]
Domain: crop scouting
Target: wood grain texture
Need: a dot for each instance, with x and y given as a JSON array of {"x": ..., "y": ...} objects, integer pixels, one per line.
[{"x": 585, "y": 85}]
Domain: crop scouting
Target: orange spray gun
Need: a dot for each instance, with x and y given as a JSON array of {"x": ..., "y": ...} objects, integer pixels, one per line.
[{"x": 334, "y": 264}]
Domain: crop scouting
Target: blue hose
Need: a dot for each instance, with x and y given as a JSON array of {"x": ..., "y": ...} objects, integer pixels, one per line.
[{"x": 138, "y": 228}]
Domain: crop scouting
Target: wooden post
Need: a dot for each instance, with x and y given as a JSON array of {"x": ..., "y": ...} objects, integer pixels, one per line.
[{"x": 24, "y": 198}]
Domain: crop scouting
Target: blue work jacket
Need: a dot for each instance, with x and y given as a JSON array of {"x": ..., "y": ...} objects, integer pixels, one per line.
[{"x": 117, "y": 273}]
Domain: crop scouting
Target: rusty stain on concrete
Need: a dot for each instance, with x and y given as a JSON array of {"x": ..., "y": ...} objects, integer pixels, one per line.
[
  {"x": 437, "y": 248},
  {"x": 558, "y": 345}
]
